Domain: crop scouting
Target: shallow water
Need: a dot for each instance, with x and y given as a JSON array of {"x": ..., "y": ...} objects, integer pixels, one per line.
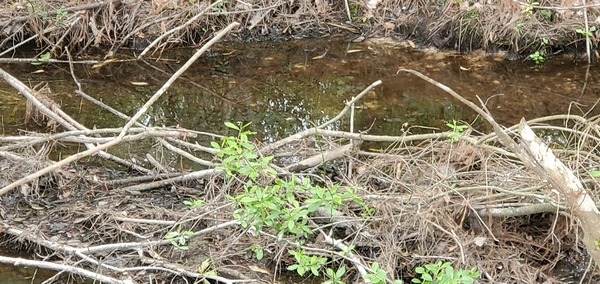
[{"x": 287, "y": 87}]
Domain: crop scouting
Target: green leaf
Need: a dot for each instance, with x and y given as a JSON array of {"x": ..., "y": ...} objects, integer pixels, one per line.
[
  {"x": 426, "y": 276},
  {"x": 259, "y": 254},
  {"x": 595, "y": 173},
  {"x": 215, "y": 145},
  {"x": 232, "y": 126},
  {"x": 171, "y": 235},
  {"x": 340, "y": 272}
]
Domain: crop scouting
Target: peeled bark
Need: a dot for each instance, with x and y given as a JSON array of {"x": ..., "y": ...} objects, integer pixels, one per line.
[{"x": 579, "y": 202}]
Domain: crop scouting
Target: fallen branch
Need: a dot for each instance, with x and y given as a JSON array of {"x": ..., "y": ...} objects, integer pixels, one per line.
[
  {"x": 127, "y": 126},
  {"x": 62, "y": 267}
]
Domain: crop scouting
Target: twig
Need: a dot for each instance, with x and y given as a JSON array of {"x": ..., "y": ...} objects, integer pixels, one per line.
[
  {"x": 178, "y": 28},
  {"x": 59, "y": 267},
  {"x": 349, "y": 104},
  {"x": 136, "y": 189},
  {"x": 587, "y": 34},
  {"x": 118, "y": 139},
  {"x": 37, "y": 60}
]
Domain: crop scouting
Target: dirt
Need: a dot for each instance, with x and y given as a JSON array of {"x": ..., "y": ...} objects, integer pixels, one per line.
[{"x": 518, "y": 27}]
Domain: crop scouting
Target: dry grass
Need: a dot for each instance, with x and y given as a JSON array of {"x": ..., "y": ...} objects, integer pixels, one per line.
[{"x": 515, "y": 26}]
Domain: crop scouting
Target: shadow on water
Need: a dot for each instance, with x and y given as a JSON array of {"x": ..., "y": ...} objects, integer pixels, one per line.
[{"x": 287, "y": 87}]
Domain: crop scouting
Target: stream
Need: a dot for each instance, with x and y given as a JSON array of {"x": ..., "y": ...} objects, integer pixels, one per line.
[{"x": 286, "y": 87}]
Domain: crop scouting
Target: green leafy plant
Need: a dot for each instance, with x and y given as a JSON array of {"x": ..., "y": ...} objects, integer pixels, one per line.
[
  {"x": 220, "y": 8},
  {"x": 457, "y": 129},
  {"x": 275, "y": 203},
  {"x": 537, "y": 57},
  {"x": 530, "y": 8},
  {"x": 61, "y": 14},
  {"x": 43, "y": 57},
  {"x": 443, "y": 273},
  {"x": 258, "y": 250},
  {"x": 305, "y": 262},
  {"x": 517, "y": 27},
  {"x": 193, "y": 203},
  {"x": 179, "y": 238},
  {"x": 335, "y": 276},
  {"x": 237, "y": 154},
  {"x": 595, "y": 173},
  {"x": 379, "y": 275},
  {"x": 38, "y": 8},
  {"x": 544, "y": 15},
  {"x": 588, "y": 33},
  {"x": 206, "y": 268}
]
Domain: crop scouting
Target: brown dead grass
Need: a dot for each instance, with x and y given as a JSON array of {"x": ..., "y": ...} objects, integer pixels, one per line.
[{"x": 463, "y": 26}]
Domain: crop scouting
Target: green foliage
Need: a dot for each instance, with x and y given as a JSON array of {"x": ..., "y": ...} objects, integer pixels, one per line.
[
  {"x": 537, "y": 57},
  {"x": 258, "y": 250},
  {"x": 306, "y": 262},
  {"x": 335, "y": 277},
  {"x": 443, "y": 273},
  {"x": 220, "y": 8},
  {"x": 544, "y": 15},
  {"x": 379, "y": 275},
  {"x": 457, "y": 129},
  {"x": 207, "y": 268},
  {"x": 595, "y": 173},
  {"x": 585, "y": 33},
  {"x": 193, "y": 203},
  {"x": 529, "y": 9},
  {"x": 61, "y": 14},
  {"x": 276, "y": 205},
  {"x": 179, "y": 238},
  {"x": 237, "y": 154},
  {"x": 43, "y": 57}
]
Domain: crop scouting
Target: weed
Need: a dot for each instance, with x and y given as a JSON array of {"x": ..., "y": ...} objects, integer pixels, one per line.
[
  {"x": 530, "y": 8},
  {"x": 275, "y": 205},
  {"x": 379, "y": 275},
  {"x": 544, "y": 15},
  {"x": 37, "y": 8},
  {"x": 518, "y": 27},
  {"x": 335, "y": 277},
  {"x": 43, "y": 57},
  {"x": 237, "y": 154},
  {"x": 220, "y": 8},
  {"x": 179, "y": 238},
  {"x": 444, "y": 273},
  {"x": 306, "y": 262},
  {"x": 457, "y": 129},
  {"x": 537, "y": 57},
  {"x": 193, "y": 203},
  {"x": 258, "y": 250},
  {"x": 206, "y": 268},
  {"x": 61, "y": 14},
  {"x": 585, "y": 33}
]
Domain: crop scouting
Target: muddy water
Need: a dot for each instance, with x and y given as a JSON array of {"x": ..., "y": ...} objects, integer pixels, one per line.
[{"x": 287, "y": 87}]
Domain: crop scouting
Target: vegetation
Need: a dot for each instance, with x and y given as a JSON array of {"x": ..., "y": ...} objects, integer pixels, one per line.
[{"x": 443, "y": 273}]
